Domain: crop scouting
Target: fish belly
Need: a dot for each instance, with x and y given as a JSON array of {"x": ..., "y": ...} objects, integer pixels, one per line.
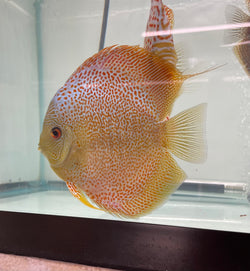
[{"x": 130, "y": 182}]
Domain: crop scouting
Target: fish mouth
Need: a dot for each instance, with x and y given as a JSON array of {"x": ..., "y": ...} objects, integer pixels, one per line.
[{"x": 39, "y": 147}]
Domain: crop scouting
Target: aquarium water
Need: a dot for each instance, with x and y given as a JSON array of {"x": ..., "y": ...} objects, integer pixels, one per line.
[{"x": 42, "y": 42}]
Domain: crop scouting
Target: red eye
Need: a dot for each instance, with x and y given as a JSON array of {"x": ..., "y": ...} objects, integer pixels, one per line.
[{"x": 56, "y": 133}]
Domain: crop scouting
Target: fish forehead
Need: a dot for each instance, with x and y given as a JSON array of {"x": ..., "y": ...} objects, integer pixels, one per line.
[
  {"x": 98, "y": 96},
  {"x": 116, "y": 80}
]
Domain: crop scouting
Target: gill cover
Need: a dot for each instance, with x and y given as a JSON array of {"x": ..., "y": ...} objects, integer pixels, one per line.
[{"x": 56, "y": 149}]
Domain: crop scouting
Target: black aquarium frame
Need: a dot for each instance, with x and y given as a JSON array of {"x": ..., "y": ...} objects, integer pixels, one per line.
[{"x": 122, "y": 245}]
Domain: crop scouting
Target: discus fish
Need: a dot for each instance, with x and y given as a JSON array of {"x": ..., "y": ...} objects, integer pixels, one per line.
[
  {"x": 239, "y": 36},
  {"x": 108, "y": 132}
]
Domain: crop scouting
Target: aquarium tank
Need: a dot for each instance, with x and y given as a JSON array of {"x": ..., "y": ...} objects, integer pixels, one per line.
[{"x": 42, "y": 42}]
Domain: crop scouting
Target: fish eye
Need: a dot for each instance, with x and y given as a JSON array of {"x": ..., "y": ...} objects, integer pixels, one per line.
[{"x": 56, "y": 133}]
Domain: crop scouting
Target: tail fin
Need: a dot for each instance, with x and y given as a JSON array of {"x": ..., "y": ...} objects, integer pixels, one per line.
[
  {"x": 185, "y": 134},
  {"x": 161, "y": 19}
]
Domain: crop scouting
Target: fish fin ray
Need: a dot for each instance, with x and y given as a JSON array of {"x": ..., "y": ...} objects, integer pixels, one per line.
[
  {"x": 163, "y": 183},
  {"x": 242, "y": 53},
  {"x": 206, "y": 70},
  {"x": 76, "y": 192},
  {"x": 235, "y": 15},
  {"x": 170, "y": 15},
  {"x": 182, "y": 57},
  {"x": 161, "y": 18},
  {"x": 185, "y": 134},
  {"x": 191, "y": 86},
  {"x": 248, "y": 5}
]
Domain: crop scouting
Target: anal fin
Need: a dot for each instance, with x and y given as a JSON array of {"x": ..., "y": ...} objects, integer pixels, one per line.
[{"x": 165, "y": 180}]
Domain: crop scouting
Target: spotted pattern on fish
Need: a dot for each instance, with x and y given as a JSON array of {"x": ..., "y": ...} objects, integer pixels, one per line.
[
  {"x": 161, "y": 18},
  {"x": 131, "y": 73},
  {"x": 117, "y": 105},
  {"x": 117, "y": 134}
]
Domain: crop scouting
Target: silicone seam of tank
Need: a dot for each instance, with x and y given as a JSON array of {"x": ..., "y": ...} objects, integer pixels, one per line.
[
  {"x": 104, "y": 24},
  {"x": 37, "y": 5}
]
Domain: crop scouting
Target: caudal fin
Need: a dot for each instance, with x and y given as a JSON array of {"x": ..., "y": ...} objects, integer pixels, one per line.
[{"x": 185, "y": 134}]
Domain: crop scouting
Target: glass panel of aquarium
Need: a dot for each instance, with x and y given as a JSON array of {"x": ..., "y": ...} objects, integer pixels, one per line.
[{"x": 43, "y": 42}]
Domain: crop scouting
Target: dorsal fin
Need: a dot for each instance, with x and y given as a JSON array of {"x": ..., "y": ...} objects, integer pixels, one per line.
[
  {"x": 170, "y": 15},
  {"x": 161, "y": 18}
]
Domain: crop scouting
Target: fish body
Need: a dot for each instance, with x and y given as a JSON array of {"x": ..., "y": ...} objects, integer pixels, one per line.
[
  {"x": 240, "y": 37},
  {"x": 108, "y": 132}
]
